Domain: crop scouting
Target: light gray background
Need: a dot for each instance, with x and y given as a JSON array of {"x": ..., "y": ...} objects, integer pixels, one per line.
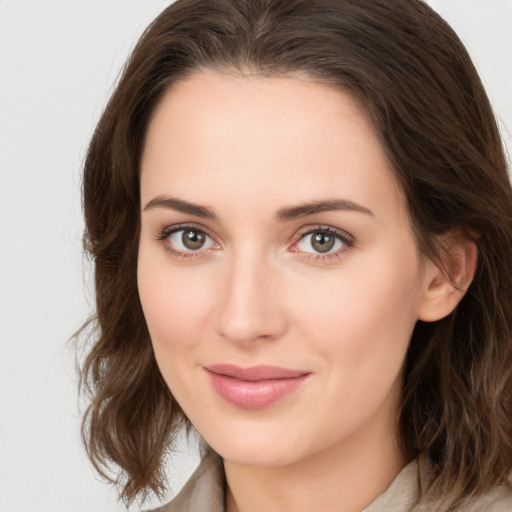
[{"x": 58, "y": 61}]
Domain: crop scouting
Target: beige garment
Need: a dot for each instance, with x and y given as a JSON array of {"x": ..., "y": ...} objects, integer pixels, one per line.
[{"x": 204, "y": 492}]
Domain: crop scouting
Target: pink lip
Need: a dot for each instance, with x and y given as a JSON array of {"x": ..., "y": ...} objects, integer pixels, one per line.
[{"x": 255, "y": 387}]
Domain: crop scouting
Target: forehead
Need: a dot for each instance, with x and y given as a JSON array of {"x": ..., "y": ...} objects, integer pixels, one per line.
[{"x": 217, "y": 136}]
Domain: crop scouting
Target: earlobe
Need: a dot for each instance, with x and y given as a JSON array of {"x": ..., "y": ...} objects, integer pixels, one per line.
[{"x": 447, "y": 280}]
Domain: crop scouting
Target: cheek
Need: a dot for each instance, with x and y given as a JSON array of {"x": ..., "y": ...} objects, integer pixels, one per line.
[
  {"x": 175, "y": 306},
  {"x": 363, "y": 317},
  {"x": 175, "y": 313}
]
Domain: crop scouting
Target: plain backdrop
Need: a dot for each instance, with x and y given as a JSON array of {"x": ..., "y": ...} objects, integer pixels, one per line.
[{"x": 58, "y": 62}]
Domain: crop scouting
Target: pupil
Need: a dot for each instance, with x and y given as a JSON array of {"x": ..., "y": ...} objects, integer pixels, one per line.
[
  {"x": 322, "y": 242},
  {"x": 193, "y": 240}
]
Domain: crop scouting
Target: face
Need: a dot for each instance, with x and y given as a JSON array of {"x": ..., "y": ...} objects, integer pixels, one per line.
[{"x": 278, "y": 272}]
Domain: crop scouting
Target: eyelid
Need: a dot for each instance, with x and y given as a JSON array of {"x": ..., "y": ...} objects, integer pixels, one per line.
[
  {"x": 306, "y": 230},
  {"x": 346, "y": 238},
  {"x": 164, "y": 234}
]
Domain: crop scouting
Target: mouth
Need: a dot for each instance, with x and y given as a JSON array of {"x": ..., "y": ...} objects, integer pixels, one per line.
[{"x": 255, "y": 387}]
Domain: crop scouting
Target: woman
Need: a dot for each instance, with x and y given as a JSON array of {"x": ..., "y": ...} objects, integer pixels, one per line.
[{"x": 301, "y": 223}]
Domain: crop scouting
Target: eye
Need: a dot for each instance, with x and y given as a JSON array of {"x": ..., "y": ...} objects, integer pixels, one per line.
[
  {"x": 186, "y": 240},
  {"x": 323, "y": 241}
]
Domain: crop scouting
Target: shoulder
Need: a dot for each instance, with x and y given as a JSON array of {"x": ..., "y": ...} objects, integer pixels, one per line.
[
  {"x": 204, "y": 491},
  {"x": 496, "y": 499},
  {"x": 409, "y": 492}
]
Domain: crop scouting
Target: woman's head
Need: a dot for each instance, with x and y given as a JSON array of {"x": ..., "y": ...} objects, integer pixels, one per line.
[
  {"x": 424, "y": 116},
  {"x": 277, "y": 236}
]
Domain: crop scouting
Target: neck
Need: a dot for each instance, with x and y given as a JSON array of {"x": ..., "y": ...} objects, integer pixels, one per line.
[{"x": 351, "y": 474}]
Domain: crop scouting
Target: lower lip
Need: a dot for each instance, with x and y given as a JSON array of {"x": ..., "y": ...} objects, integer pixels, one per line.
[{"x": 254, "y": 394}]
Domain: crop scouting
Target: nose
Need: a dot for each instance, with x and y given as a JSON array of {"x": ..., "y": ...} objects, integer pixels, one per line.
[{"x": 250, "y": 304}]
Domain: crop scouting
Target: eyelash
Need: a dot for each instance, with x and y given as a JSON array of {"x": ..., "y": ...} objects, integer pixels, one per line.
[
  {"x": 346, "y": 239},
  {"x": 185, "y": 255}
]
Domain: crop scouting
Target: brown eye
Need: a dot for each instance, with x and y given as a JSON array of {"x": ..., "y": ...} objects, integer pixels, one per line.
[
  {"x": 193, "y": 239},
  {"x": 322, "y": 242},
  {"x": 187, "y": 240}
]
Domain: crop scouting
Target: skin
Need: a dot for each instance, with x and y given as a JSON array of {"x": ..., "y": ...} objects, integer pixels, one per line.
[{"x": 258, "y": 292}]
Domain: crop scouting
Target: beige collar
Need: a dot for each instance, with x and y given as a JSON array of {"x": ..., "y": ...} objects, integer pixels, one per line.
[{"x": 205, "y": 491}]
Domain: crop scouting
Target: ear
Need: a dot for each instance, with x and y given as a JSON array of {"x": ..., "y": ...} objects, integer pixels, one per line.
[{"x": 447, "y": 280}]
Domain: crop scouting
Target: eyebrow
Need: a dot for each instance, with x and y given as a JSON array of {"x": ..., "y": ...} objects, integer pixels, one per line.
[
  {"x": 179, "y": 205},
  {"x": 313, "y": 207},
  {"x": 282, "y": 215}
]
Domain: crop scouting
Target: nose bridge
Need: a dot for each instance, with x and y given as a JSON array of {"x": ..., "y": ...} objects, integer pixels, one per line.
[{"x": 250, "y": 304}]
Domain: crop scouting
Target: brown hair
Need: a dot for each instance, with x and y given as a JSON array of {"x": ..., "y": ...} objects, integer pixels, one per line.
[{"x": 419, "y": 87}]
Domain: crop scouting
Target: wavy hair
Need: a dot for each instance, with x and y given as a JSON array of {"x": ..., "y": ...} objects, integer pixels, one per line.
[{"x": 419, "y": 87}]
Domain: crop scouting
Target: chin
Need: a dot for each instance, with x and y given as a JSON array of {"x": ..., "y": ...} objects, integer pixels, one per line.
[
  {"x": 256, "y": 445},
  {"x": 263, "y": 457}
]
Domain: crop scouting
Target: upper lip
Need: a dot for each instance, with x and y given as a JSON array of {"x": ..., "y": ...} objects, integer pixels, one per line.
[{"x": 255, "y": 373}]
